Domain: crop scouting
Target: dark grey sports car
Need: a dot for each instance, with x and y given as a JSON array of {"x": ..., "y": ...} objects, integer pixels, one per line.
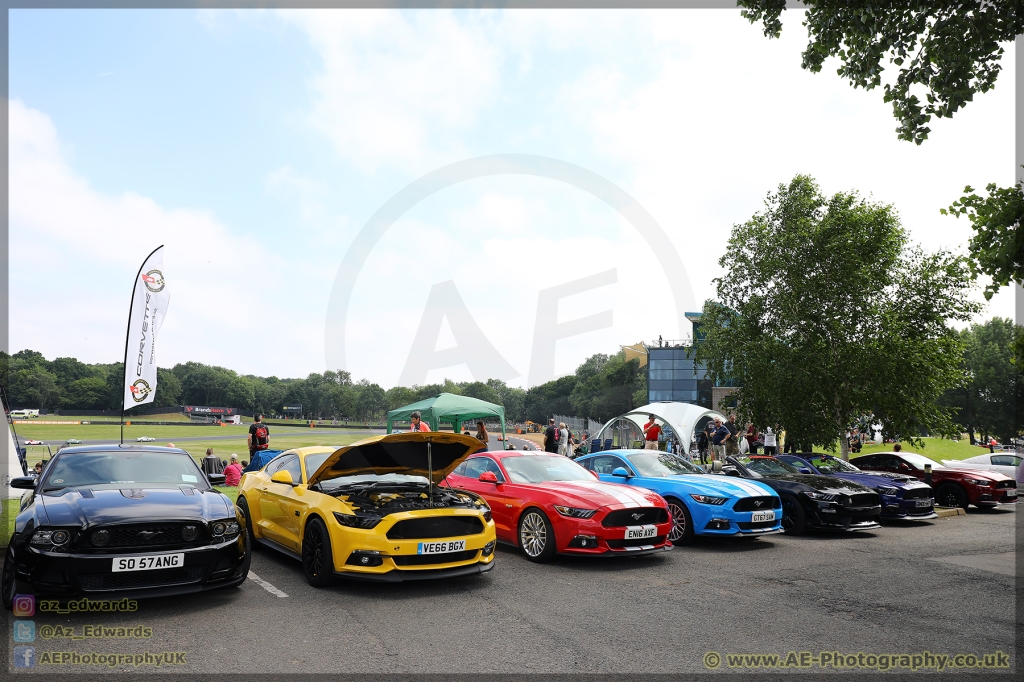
[{"x": 123, "y": 522}]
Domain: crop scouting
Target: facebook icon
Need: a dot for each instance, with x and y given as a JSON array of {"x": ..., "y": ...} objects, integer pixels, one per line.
[{"x": 24, "y": 657}]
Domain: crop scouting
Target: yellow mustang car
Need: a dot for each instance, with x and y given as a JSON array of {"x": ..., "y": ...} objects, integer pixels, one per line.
[{"x": 371, "y": 510}]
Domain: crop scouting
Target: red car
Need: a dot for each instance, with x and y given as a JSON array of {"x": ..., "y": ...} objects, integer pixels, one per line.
[
  {"x": 548, "y": 504},
  {"x": 953, "y": 487}
]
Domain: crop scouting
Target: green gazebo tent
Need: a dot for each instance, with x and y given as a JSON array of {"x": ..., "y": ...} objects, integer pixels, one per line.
[{"x": 448, "y": 407}]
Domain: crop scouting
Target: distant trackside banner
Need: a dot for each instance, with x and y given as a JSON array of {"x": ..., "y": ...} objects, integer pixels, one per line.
[{"x": 149, "y": 306}]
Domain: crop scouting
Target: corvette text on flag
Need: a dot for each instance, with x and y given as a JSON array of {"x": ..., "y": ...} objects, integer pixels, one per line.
[{"x": 149, "y": 306}]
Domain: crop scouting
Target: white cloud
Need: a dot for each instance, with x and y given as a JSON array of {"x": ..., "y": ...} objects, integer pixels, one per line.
[{"x": 66, "y": 239}]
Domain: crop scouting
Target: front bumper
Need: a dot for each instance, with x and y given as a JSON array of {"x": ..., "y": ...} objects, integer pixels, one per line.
[
  {"x": 588, "y": 537},
  {"x": 397, "y": 576},
  {"x": 69, "y": 574},
  {"x": 995, "y": 497},
  {"x": 840, "y": 518},
  {"x": 897, "y": 508}
]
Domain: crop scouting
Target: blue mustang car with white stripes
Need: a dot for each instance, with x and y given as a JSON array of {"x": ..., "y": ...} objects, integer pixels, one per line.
[{"x": 700, "y": 504}]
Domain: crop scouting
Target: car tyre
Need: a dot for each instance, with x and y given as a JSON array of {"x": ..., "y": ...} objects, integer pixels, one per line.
[
  {"x": 317, "y": 557},
  {"x": 250, "y": 538},
  {"x": 794, "y": 511},
  {"x": 9, "y": 581},
  {"x": 536, "y": 536},
  {"x": 682, "y": 522},
  {"x": 951, "y": 495}
]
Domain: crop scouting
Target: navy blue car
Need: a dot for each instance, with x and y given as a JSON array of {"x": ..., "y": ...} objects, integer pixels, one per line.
[{"x": 903, "y": 497}]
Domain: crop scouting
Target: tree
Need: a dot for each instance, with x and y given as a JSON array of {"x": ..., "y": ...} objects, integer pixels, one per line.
[
  {"x": 826, "y": 312},
  {"x": 997, "y": 247},
  {"x": 947, "y": 50},
  {"x": 373, "y": 401},
  {"x": 481, "y": 391},
  {"x": 512, "y": 399},
  {"x": 88, "y": 393},
  {"x": 606, "y": 386},
  {"x": 985, "y": 401}
]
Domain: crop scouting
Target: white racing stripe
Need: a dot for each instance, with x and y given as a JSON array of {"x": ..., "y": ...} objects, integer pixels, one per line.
[{"x": 265, "y": 585}]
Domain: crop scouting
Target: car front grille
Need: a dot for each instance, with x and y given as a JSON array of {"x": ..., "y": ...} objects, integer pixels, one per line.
[
  {"x": 757, "y": 503},
  {"x": 917, "y": 493},
  {"x": 427, "y": 559},
  {"x": 753, "y": 525},
  {"x": 1006, "y": 484},
  {"x": 623, "y": 544},
  {"x": 641, "y": 516},
  {"x": 166, "y": 536},
  {"x": 140, "y": 579},
  {"x": 435, "y": 527},
  {"x": 862, "y": 500}
]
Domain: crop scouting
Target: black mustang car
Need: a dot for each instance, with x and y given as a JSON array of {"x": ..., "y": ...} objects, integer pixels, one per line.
[
  {"x": 127, "y": 521},
  {"x": 810, "y": 501}
]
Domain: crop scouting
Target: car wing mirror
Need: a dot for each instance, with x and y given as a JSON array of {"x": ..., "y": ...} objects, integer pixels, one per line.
[
  {"x": 24, "y": 482},
  {"x": 280, "y": 476},
  {"x": 488, "y": 477},
  {"x": 215, "y": 479},
  {"x": 621, "y": 471},
  {"x": 594, "y": 474},
  {"x": 805, "y": 470},
  {"x": 903, "y": 467}
]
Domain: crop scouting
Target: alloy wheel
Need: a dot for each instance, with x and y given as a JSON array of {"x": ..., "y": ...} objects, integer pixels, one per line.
[
  {"x": 313, "y": 552},
  {"x": 788, "y": 512},
  {"x": 533, "y": 534},
  {"x": 678, "y": 522}
]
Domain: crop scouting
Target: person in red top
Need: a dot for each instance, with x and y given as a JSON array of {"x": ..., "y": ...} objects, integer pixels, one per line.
[
  {"x": 416, "y": 423},
  {"x": 651, "y": 433},
  {"x": 233, "y": 472}
]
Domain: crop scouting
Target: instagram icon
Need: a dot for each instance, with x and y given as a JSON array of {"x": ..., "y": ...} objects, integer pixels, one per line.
[{"x": 24, "y": 605}]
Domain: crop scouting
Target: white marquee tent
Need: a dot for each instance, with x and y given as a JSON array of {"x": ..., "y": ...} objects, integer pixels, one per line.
[{"x": 685, "y": 419}]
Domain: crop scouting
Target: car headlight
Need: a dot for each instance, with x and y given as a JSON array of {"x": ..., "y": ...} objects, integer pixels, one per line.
[
  {"x": 487, "y": 515},
  {"x": 823, "y": 497},
  {"x": 353, "y": 521},
  {"x": 977, "y": 482},
  {"x": 224, "y": 528},
  {"x": 708, "y": 499},
  {"x": 885, "y": 490},
  {"x": 49, "y": 538},
  {"x": 575, "y": 512}
]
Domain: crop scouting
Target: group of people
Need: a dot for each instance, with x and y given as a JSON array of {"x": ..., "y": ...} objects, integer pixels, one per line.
[
  {"x": 720, "y": 439},
  {"x": 561, "y": 440},
  {"x": 232, "y": 470}
]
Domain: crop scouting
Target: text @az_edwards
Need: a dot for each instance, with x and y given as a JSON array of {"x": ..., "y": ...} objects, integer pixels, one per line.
[
  {"x": 95, "y": 632},
  {"x": 863, "y": 661},
  {"x": 86, "y": 605}
]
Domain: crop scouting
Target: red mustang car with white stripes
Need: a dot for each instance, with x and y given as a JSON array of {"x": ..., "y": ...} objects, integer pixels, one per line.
[{"x": 547, "y": 504}]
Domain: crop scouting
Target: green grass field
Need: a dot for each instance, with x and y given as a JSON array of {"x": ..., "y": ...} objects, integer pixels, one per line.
[{"x": 934, "y": 448}]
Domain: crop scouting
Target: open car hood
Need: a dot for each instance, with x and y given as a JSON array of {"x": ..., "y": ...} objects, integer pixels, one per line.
[{"x": 398, "y": 453}]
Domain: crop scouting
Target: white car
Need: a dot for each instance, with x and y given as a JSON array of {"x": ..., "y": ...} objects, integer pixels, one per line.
[
  {"x": 1004, "y": 463},
  {"x": 144, "y": 439},
  {"x": 33, "y": 442}
]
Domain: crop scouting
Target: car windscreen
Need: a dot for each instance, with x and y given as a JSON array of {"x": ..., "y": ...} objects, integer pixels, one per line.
[
  {"x": 541, "y": 468},
  {"x": 767, "y": 466},
  {"x": 313, "y": 462},
  {"x": 123, "y": 468},
  {"x": 833, "y": 465},
  {"x": 659, "y": 466}
]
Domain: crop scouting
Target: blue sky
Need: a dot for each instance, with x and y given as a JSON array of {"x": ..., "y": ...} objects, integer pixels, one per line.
[{"x": 257, "y": 143}]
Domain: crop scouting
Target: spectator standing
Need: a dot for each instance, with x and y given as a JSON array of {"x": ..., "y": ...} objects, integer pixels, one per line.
[
  {"x": 704, "y": 442},
  {"x": 259, "y": 435},
  {"x": 719, "y": 438},
  {"x": 753, "y": 439},
  {"x": 416, "y": 422},
  {"x": 769, "y": 440},
  {"x": 551, "y": 437},
  {"x": 233, "y": 472},
  {"x": 732, "y": 444},
  {"x": 481, "y": 433},
  {"x": 563, "y": 439},
  {"x": 651, "y": 433},
  {"x": 211, "y": 465}
]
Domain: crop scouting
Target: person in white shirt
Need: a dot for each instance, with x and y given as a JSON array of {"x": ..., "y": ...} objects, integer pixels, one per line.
[{"x": 769, "y": 440}]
